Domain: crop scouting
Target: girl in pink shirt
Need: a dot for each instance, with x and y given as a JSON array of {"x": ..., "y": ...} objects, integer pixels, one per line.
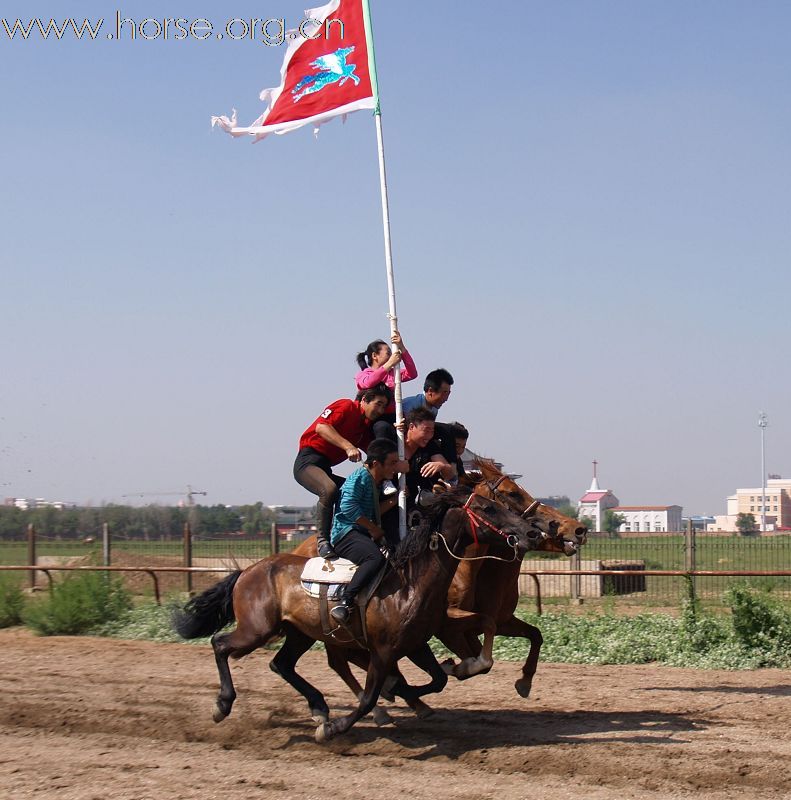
[{"x": 376, "y": 366}]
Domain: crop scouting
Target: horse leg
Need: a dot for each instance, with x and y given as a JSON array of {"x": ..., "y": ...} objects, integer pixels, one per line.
[
  {"x": 395, "y": 685},
  {"x": 519, "y": 628},
  {"x": 378, "y": 669},
  {"x": 235, "y": 644},
  {"x": 284, "y": 663},
  {"x": 457, "y": 629},
  {"x": 338, "y": 660}
]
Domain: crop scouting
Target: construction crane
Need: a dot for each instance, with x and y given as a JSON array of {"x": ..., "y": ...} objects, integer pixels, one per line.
[{"x": 189, "y": 494}]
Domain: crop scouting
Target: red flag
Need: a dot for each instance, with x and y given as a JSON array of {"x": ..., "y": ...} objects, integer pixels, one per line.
[{"x": 325, "y": 73}]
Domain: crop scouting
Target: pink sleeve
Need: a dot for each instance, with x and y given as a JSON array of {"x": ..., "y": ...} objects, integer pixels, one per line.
[
  {"x": 408, "y": 368},
  {"x": 370, "y": 377}
]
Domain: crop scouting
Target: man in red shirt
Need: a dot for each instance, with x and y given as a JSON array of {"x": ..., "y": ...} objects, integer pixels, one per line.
[{"x": 340, "y": 432}]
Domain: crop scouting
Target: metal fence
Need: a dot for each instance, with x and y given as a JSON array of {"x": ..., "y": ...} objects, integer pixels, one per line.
[
  {"x": 687, "y": 551},
  {"x": 37, "y": 549}
]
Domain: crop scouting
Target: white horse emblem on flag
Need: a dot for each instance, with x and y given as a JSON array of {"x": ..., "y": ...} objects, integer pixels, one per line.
[{"x": 332, "y": 69}]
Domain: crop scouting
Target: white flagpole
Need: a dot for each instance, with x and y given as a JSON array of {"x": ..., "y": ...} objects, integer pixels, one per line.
[{"x": 388, "y": 259}]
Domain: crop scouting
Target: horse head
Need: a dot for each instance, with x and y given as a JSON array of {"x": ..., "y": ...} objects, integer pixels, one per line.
[
  {"x": 482, "y": 517},
  {"x": 560, "y": 534}
]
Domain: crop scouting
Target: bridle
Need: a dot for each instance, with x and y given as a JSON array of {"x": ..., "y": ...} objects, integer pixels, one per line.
[
  {"x": 476, "y": 520},
  {"x": 492, "y": 487}
]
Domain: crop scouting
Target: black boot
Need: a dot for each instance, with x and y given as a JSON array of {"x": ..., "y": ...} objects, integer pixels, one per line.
[
  {"x": 343, "y": 611},
  {"x": 324, "y": 548}
]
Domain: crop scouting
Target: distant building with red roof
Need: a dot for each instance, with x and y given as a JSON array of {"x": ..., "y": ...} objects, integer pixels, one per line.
[{"x": 596, "y": 501}]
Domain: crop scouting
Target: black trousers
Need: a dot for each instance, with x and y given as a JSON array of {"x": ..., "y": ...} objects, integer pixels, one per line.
[
  {"x": 360, "y": 548},
  {"x": 313, "y": 472}
]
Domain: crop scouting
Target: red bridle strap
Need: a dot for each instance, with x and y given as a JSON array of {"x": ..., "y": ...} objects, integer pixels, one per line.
[{"x": 476, "y": 518}]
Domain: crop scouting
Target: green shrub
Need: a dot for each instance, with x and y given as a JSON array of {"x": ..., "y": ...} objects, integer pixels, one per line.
[
  {"x": 80, "y": 602},
  {"x": 12, "y": 601},
  {"x": 760, "y": 621}
]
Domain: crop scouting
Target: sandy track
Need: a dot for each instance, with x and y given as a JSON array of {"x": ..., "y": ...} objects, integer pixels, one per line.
[{"x": 94, "y": 718}]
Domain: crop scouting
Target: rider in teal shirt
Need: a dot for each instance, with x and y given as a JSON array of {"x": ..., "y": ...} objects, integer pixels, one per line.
[{"x": 357, "y": 527}]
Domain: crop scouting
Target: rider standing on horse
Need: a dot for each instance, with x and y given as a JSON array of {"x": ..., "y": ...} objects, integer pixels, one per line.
[
  {"x": 338, "y": 433},
  {"x": 357, "y": 526}
]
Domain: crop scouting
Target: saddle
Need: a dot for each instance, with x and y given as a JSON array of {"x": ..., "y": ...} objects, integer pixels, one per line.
[
  {"x": 325, "y": 580},
  {"x": 334, "y": 574}
]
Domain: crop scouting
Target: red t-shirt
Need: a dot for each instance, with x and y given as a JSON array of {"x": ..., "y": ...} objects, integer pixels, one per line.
[{"x": 348, "y": 419}]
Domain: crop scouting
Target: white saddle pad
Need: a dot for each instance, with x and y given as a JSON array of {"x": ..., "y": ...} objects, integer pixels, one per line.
[{"x": 339, "y": 570}]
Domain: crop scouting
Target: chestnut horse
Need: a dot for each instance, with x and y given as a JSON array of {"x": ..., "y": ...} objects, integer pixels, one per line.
[
  {"x": 267, "y": 601},
  {"x": 488, "y": 587}
]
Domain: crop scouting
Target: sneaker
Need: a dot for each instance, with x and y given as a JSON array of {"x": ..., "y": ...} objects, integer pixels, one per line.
[
  {"x": 388, "y": 488},
  {"x": 325, "y": 549},
  {"x": 341, "y": 612}
]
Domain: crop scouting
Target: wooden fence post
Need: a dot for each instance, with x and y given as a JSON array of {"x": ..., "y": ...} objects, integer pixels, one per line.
[
  {"x": 689, "y": 556},
  {"x": 31, "y": 553},
  {"x": 187, "y": 557},
  {"x": 576, "y": 580},
  {"x": 274, "y": 543},
  {"x": 106, "y": 544}
]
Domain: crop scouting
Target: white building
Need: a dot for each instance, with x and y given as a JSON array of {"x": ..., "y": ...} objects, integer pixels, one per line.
[
  {"x": 777, "y": 509},
  {"x": 649, "y": 519},
  {"x": 595, "y": 502}
]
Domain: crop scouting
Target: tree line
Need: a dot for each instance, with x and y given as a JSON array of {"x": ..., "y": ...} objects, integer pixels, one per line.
[{"x": 130, "y": 522}]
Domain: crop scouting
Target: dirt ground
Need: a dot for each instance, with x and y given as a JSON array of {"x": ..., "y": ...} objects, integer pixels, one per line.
[{"x": 90, "y": 719}]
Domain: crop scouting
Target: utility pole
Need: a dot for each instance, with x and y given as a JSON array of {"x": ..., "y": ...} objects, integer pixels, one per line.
[{"x": 762, "y": 423}]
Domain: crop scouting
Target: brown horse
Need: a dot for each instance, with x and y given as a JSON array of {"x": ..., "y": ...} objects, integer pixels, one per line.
[
  {"x": 491, "y": 587},
  {"x": 267, "y": 601},
  {"x": 484, "y": 589}
]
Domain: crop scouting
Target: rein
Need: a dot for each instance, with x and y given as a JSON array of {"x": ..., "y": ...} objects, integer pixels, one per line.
[{"x": 437, "y": 535}]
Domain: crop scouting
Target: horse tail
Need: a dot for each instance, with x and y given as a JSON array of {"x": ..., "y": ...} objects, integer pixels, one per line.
[{"x": 209, "y": 612}]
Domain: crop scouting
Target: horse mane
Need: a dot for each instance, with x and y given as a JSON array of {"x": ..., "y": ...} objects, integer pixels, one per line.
[
  {"x": 417, "y": 539},
  {"x": 488, "y": 468}
]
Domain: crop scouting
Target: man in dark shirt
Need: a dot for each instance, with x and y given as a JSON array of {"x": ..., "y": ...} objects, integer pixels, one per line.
[{"x": 426, "y": 464}]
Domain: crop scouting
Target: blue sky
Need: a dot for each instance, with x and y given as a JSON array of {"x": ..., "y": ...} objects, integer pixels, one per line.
[{"x": 590, "y": 216}]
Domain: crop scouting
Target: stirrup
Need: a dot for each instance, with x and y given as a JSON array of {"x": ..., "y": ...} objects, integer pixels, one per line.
[{"x": 342, "y": 612}]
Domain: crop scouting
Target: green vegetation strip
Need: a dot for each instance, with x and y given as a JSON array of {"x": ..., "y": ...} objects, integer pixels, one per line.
[{"x": 756, "y": 632}]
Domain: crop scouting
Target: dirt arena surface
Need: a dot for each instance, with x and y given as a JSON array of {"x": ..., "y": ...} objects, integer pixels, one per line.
[{"x": 91, "y": 719}]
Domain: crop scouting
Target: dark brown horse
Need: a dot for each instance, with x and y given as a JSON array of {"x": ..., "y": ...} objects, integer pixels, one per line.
[
  {"x": 267, "y": 601},
  {"x": 485, "y": 590}
]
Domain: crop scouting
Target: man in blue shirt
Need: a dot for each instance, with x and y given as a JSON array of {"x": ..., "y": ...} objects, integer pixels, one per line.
[
  {"x": 357, "y": 525},
  {"x": 436, "y": 391}
]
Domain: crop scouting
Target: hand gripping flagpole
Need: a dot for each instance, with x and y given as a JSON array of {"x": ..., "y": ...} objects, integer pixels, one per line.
[{"x": 388, "y": 261}]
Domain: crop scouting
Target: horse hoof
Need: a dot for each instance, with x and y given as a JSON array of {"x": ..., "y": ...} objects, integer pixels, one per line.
[
  {"x": 449, "y": 667},
  {"x": 422, "y": 711},
  {"x": 381, "y": 717},
  {"x": 523, "y": 687},
  {"x": 218, "y": 715},
  {"x": 323, "y": 733},
  {"x": 319, "y": 715}
]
